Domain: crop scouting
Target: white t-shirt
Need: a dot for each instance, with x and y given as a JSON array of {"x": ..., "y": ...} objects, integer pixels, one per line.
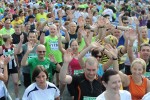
[
  {"x": 109, "y": 12},
  {"x": 33, "y": 92},
  {"x": 2, "y": 92},
  {"x": 146, "y": 96},
  {"x": 124, "y": 95}
]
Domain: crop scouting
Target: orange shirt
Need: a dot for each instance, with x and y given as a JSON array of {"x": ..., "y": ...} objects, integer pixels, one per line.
[{"x": 137, "y": 91}]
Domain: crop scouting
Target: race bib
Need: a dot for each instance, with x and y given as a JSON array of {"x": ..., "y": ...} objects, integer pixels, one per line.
[
  {"x": 89, "y": 98},
  {"x": 76, "y": 72},
  {"x": 42, "y": 20},
  {"x": 54, "y": 45}
]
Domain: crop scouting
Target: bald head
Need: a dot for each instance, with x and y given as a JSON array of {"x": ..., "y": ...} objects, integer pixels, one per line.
[{"x": 41, "y": 47}]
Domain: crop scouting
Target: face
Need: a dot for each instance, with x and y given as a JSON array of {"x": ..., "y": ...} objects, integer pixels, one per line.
[
  {"x": 145, "y": 52},
  {"x": 32, "y": 37},
  {"x": 53, "y": 30},
  {"x": 99, "y": 56},
  {"x": 41, "y": 79},
  {"x": 137, "y": 70},
  {"x": 117, "y": 33},
  {"x": 7, "y": 24},
  {"x": 73, "y": 27},
  {"x": 125, "y": 22},
  {"x": 74, "y": 46},
  {"x": 17, "y": 29},
  {"x": 41, "y": 51},
  {"x": 90, "y": 71},
  {"x": 114, "y": 83},
  {"x": 144, "y": 33},
  {"x": 88, "y": 21}
]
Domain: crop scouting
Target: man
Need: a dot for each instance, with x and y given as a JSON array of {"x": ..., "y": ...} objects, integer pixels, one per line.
[
  {"x": 7, "y": 28},
  {"x": 49, "y": 64},
  {"x": 41, "y": 16},
  {"x": 88, "y": 84}
]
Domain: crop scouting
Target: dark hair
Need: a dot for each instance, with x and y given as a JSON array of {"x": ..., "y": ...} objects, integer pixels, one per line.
[
  {"x": 124, "y": 18},
  {"x": 107, "y": 74},
  {"x": 106, "y": 15},
  {"x": 95, "y": 52},
  {"x": 37, "y": 71}
]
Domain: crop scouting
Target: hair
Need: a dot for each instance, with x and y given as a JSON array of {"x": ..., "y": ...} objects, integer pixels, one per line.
[
  {"x": 112, "y": 40},
  {"x": 144, "y": 44},
  {"x": 71, "y": 41},
  {"x": 91, "y": 61},
  {"x": 107, "y": 74},
  {"x": 140, "y": 61},
  {"x": 37, "y": 71},
  {"x": 143, "y": 28},
  {"x": 5, "y": 37},
  {"x": 124, "y": 18},
  {"x": 95, "y": 52}
]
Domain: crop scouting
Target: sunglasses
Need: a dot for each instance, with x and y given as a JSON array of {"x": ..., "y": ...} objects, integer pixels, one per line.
[
  {"x": 41, "y": 51},
  {"x": 98, "y": 56},
  {"x": 125, "y": 22}
]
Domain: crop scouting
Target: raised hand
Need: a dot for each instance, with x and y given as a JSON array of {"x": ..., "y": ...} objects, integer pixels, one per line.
[
  {"x": 21, "y": 38},
  {"x": 52, "y": 58},
  {"x": 96, "y": 44},
  {"x": 67, "y": 56},
  {"x": 7, "y": 59},
  {"x": 112, "y": 50},
  {"x": 133, "y": 35},
  {"x": 101, "y": 21},
  {"x": 81, "y": 21},
  {"x": 63, "y": 28}
]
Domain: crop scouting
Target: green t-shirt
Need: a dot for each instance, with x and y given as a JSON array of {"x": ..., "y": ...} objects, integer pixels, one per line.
[
  {"x": 48, "y": 65},
  {"x": 5, "y": 31},
  {"x": 51, "y": 44}
]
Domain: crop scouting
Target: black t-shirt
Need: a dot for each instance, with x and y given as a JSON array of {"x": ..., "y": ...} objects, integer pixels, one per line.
[
  {"x": 72, "y": 36},
  {"x": 83, "y": 87},
  {"x": 16, "y": 38}
]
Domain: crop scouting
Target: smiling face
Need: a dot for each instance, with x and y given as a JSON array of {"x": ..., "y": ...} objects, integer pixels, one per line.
[
  {"x": 144, "y": 33},
  {"x": 145, "y": 52},
  {"x": 74, "y": 46},
  {"x": 137, "y": 70},
  {"x": 113, "y": 84}
]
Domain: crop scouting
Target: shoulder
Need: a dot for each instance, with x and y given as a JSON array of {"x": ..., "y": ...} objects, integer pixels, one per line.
[
  {"x": 101, "y": 97},
  {"x": 124, "y": 92},
  {"x": 31, "y": 88}
]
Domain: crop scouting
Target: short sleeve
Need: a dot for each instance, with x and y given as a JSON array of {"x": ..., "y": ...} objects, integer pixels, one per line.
[{"x": 57, "y": 94}]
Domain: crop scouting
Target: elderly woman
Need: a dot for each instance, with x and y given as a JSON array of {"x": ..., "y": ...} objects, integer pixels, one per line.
[
  {"x": 41, "y": 88},
  {"x": 112, "y": 82}
]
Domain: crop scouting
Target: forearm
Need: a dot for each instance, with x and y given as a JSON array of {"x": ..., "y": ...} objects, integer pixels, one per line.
[
  {"x": 24, "y": 59},
  {"x": 63, "y": 72},
  {"x": 18, "y": 50},
  {"x": 67, "y": 37},
  {"x": 5, "y": 78},
  {"x": 42, "y": 38},
  {"x": 130, "y": 51},
  {"x": 116, "y": 65}
]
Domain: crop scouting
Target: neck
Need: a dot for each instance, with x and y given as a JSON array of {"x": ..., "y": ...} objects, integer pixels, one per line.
[
  {"x": 7, "y": 44},
  {"x": 113, "y": 95},
  {"x": 72, "y": 32},
  {"x": 41, "y": 58},
  {"x": 42, "y": 86},
  {"x": 137, "y": 80}
]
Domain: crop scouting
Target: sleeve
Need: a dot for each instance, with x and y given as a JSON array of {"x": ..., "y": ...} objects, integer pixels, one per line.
[
  {"x": 30, "y": 61},
  {"x": 53, "y": 66},
  {"x": 100, "y": 71},
  {"x": 128, "y": 96},
  {"x": 7, "y": 95},
  {"x": 25, "y": 97},
  {"x": 57, "y": 93}
]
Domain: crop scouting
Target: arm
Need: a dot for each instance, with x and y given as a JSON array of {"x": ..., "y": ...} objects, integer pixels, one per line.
[
  {"x": 67, "y": 37},
  {"x": 4, "y": 77},
  {"x": 114, "y": 53},
  {"x": 19, "y": 50},
  {"x": 148, "y": 85},
  {"x": 60, "y": 44},
  {"x": 42, "y": 41},
  {"x": 64, "y": 78},
  {"x": 24, "y": 61}
]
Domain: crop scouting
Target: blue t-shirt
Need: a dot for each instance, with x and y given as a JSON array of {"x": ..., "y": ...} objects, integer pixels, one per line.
[{"x": 100, "y": 71}]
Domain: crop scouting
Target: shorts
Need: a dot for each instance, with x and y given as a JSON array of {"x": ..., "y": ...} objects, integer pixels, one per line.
[
  {"x": 27, "y": 79},
  {"x": 13, "y": 70}
]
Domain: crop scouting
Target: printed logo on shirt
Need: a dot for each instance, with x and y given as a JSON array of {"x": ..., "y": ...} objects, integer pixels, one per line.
[{"x": 89, "y": 98}]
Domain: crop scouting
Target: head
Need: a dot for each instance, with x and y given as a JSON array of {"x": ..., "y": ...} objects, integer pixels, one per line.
[
  {"x": 112, "y": 40},
  {"x": 88, "y": 21},
  {"x": 31, "y": 18},
  {"x": 15, "y": 17},
  {"x": 72, "y": 27},
  {"x": 90, "y": 70},
  {"x": 112, "y": 81},
  {"x": 53, "y": 29},
  {"x": 7, "y": 38},
  {"x": 41, "y": 51},
  {"x": 74, "y": 45},
  {"x": 144, "y": 32},
  {"x": 125, "y": 21},
  {"x": 40, "y": 76},
  {"x": 116, "y": 33},
  {"x": 41, "y": 9},
  {"x": 17, "y": 29},
  {"x": 138, "y": 67},
  {"x": 32, "y": 37},
  {"x": 96, "y": 54},
  {"x": 56, "y": 22},
  {"x": 7, "y": 23},
  {"x": 145, "y": 51}
]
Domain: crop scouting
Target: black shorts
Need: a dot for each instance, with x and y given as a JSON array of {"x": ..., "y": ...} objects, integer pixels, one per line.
[
  {"x": 27, "y": 79},
  {"x": 13, "y": 70}
]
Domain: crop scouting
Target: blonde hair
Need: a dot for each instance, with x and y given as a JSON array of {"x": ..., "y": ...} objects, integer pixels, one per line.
[
  {"x": 112, "y": 40},
  {"x": 140, "y": 61},
  {"x": 143, "y": 28}
]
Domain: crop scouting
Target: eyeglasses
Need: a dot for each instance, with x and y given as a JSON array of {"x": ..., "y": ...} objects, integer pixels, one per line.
[
  {"x": 41, "y": 51},
  {"x": 98, "y": 56},
  {"x": 125, "y": 22}
]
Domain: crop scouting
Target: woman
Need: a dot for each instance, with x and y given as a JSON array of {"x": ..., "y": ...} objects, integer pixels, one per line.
[
  {"x": 41, "y": 88},
  {"x": 138, "y": 85},
  {"x": 4, "y": 95},
  {"x": 112, "y": 82},
  {"x": 9, "y": 49}
]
